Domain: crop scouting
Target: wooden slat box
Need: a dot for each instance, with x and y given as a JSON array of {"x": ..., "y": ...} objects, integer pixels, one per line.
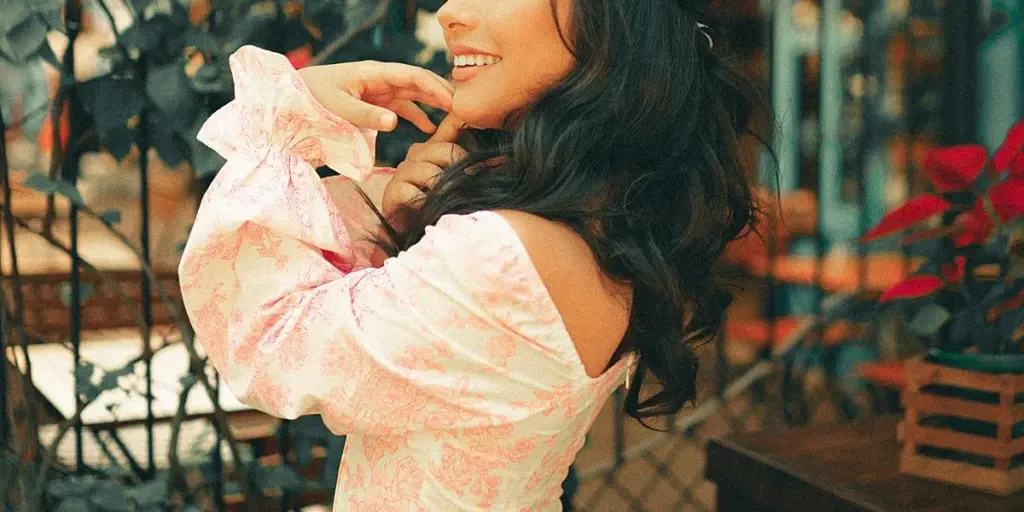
[{"x": 960, "y": 427}]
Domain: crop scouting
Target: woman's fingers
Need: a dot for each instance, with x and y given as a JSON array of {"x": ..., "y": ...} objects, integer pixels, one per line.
[
  {"x": 414, "y": 114},
  {"x": 360, "y": 92},
  {"x": 418, "y": 174},
  {"x": 442, "y": 154},
  {"x": 398, "y": 195},
  {"x": 408, "y": 82},
  {"x": 422, "y": 77},
  {"x": 449, "y": 130},
  {"x": 361, "y": 113},
  {"x": 417, "y": 95}
]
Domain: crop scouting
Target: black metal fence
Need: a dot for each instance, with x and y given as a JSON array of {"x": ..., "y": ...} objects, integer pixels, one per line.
[{"x": 776, "y": 362}]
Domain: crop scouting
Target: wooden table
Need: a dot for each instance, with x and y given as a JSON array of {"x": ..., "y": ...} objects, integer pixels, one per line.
[{"x": 844, "y": 467}]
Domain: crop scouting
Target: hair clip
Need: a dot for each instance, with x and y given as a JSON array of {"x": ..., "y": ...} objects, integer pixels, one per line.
[{"x": 704, "y": 29}]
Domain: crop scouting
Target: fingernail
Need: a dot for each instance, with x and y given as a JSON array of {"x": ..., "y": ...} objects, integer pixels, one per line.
[{"x": 387, "y": 119}]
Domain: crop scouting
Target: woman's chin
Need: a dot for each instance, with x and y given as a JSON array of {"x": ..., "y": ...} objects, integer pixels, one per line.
[{"x": 476, "y": 115}]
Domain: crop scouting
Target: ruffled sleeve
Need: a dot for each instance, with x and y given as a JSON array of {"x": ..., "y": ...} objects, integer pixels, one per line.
[
  {"x": 458, "y": 331},
  {"x": 274, "y": 108}
]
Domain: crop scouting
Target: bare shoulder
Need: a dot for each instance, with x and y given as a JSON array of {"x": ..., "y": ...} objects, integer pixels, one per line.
[{"x": 595, "y": 309}]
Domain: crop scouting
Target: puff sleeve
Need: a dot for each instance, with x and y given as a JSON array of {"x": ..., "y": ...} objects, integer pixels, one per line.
[{"x": 457, "y": 332}]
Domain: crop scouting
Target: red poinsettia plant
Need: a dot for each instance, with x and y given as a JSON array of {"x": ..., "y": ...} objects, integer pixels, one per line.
[{"x": 968, "y": 293}]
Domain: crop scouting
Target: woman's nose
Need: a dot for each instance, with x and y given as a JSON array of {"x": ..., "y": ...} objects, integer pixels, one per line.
[{"x": 457, "y": 14}]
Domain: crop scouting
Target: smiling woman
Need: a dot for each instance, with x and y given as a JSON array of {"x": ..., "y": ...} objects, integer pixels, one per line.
[
  {"x": 526, "y": 279},
  {"x": 524, "y": 40}
]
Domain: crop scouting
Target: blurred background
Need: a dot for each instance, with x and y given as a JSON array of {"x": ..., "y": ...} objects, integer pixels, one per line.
[{"x": 108, "y": 404}]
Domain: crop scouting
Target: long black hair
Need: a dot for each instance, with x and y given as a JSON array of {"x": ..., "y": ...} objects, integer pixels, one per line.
[{"x": 638, "y": 151}]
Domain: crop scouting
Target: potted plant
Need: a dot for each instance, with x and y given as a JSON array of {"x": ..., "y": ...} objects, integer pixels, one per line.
[{"x": 965, "y": 303}]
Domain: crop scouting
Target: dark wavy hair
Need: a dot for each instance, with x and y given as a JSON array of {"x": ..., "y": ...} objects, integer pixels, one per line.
[{"x": 638, "y": 151}]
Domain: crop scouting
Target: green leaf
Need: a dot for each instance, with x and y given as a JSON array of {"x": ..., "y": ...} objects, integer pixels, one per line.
[
  {"x": 63, "y": 488},
  {"x": 23, "y": 40},
  {"x": 149, "y": 493},
  {"x": 276, "y": 477},
  {"x": 309, "y": 427},
  {"x": 114, "y": 102},
  {"x": 108, "y": 382},
  {"x": 1008, "y": 323},
  {"x": 171, "y": 149},
  {"x": 9, "y": 467},
  {"x": 303, "y": 452},
  {"x": 111, "y": 217},
  {"x": 332, "y": 461},
  {"x": 110, "y": 497},
  {"x": 54, "y": 18},
  {"x": 15, "y": 13},
  {"x": 83, "y": 381},
  {"x": 75, "y": 504},
  {"x": 35, "y": 95},
  {"x": 960, "y": 334},
  {"x": 169, "y": 91},
  {"x": 85, "y": 291},
  {"x": 180, "y": 248},
  {"x": 69, "y": 191},
  {"x": 39, "y": 183},
  {"x": 1016, "y": 269},
  {"x": 139, "y": 38},
  {"x": 928, "y": 320},
  {"x": 231, "y": 487},
  {"x": 84, "y": 372},
  {"x": 45, "y": 5}
]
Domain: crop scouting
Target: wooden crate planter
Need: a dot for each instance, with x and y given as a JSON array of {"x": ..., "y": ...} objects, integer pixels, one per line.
[{"x": 968, "y": 438}]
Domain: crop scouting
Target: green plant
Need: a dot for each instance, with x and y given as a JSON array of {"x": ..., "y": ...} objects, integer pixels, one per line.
[{"x": 968, "y": 294}]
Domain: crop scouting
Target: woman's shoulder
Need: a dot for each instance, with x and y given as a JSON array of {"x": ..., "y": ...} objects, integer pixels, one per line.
[{"x": 594, "y": 309}]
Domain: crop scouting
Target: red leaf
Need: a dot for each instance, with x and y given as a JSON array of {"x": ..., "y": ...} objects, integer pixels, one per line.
[
  {"x": 954, "y": 272},
  {"x": 1017, "y": 167},
  {"x": 916, "y": 210},
  {"x": 955, "y": 168},
  {"x": 1011, "y": 152},
  {"x": 912, "y": 287},
  {"x": 974, "y": 226},
  {"x": 1008, "y": 199},
  {"x": 300, "y": 57},
  {"x": 923, "y": 235}
]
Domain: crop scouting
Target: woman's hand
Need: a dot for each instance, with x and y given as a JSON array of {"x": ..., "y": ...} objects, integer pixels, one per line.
[
  {"x": 369, "y": 94},
  {"x": 416, "y": 174},
  {"x": 422, "y": 164}
]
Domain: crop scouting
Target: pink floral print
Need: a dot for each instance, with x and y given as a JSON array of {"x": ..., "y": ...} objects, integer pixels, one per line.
[{"x": 449, "y": 367}]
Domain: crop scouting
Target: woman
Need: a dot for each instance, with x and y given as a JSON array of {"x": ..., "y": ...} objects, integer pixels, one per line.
[{"x": 515, "y": 289}]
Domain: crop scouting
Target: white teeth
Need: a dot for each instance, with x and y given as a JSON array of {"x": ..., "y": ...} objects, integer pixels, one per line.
[{"x": 476, "y": 60}]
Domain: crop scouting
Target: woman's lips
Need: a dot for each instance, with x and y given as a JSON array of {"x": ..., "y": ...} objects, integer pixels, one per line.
[{"x": 464, "y": 73}]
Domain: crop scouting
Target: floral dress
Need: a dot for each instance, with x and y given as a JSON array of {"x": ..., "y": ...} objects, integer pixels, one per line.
[{"x": 448, "y": 368}]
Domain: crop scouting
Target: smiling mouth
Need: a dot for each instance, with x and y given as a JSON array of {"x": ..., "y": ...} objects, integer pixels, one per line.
[
  {"x": 469, "y": 66},
  {"x": 475, "y": 60}
]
